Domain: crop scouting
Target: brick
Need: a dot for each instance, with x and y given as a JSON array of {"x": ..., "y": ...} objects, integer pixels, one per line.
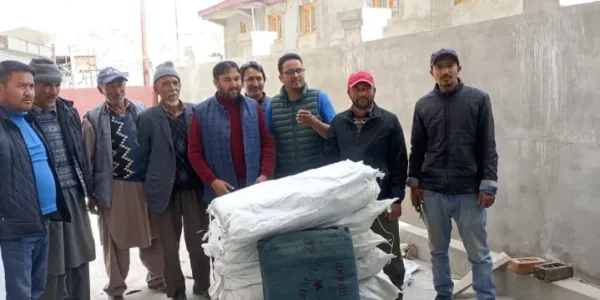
[
  {"x": 524, "y": 265},
  {"x": 552, "y": 271}
]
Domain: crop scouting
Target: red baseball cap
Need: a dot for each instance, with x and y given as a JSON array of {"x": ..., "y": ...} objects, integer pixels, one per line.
[{"x": 361, "y": 76}]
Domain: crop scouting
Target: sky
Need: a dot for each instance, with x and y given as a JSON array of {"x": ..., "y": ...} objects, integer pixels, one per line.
[{"x": 101, "y": 22}]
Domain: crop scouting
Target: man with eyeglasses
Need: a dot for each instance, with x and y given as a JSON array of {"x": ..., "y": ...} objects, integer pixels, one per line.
[
  {"x": 253, "y": 80},
  {"x": 298, "y": 119}
]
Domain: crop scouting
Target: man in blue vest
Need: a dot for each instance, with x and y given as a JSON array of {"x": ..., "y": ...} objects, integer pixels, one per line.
[
  {"x": 229, "y": 145},
  {"x": 298, "y": 118},
  {"x": 29, "y": 185}
]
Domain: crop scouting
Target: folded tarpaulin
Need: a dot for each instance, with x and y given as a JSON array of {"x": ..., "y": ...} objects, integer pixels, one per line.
[{"x": 311, "y": 264}]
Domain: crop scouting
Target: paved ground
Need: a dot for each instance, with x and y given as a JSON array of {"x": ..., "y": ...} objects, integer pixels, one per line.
[{"x": 421, "y": 289}]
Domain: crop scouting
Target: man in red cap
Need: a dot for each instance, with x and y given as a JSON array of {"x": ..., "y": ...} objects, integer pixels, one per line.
[{"x": 369, "y": 133}]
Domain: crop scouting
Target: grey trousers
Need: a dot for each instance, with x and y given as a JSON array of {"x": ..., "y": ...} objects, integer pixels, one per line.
[{"x": 73, "y": 285}]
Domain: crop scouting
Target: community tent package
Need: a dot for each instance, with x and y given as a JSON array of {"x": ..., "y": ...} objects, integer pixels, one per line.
[{"x": 343, "y": 194}]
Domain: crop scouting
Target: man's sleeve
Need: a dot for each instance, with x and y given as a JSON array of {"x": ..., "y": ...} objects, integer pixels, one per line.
[
  {"x": 144, "y": 139},
  {"x": 332, "y": 150},
  {"x": 488, "y": 157},
  {"x": 269, "y": 117},
  {"x": 418, "y": 148},
  {"x": 266, "y": 146},
  {"x": 325, "y": 107},
  {"x": 196, "y": 155},
  {"x": 397, "y": 161},
  {"x": 89, "y": 144}
]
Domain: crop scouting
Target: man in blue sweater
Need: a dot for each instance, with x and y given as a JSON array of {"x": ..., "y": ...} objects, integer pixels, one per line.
[{"x": 30, "y": 195}]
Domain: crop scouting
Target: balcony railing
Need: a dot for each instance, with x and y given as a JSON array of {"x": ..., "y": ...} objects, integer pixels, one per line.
[{"x": 18, "y": 45}]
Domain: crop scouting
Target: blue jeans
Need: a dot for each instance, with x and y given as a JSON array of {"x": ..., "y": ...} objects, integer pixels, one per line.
[
  {"x": 25, "y": 265},
  {"x": 438, "y": 210}
]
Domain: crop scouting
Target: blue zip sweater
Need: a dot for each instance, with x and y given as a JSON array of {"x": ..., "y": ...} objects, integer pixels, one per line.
[{"x": 44, "y": 179}]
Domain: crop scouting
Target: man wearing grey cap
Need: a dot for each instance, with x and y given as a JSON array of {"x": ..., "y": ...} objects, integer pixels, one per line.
[
  {"x": 173, "y": 190},
  {"x": 71, "y": 244},
  {"x": 110, "y": 139},
  {"x": 453, "y": 172}
]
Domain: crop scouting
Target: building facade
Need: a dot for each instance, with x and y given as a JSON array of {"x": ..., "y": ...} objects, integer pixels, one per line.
[{"x": 263, "y": 27}]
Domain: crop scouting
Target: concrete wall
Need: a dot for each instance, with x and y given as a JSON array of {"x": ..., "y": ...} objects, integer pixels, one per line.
[
  {"x": 424, "y": 15},
  {"x": 18, "y": 56},
  {"x": 541, "y": 69}
]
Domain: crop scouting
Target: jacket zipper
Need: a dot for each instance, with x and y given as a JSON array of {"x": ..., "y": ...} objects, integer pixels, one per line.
[{"x": 447, "y": 146}]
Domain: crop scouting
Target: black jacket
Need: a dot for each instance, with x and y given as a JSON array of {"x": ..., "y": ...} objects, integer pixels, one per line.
[
  {"x": 20, "y": 212},
  {"x": 453, "y": 146},
  {"x": 379, "y": 144}
]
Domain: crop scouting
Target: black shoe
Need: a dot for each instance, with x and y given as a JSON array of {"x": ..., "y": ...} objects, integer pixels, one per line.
[
  {"x": 179, "y": 296},
  {"x": 198, "y": 291}
]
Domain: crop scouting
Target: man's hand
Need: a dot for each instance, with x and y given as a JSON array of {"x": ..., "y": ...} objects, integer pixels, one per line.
[
  {"x": 416, "y": 196},
  {"x": 396, "y": 212},
  {"x": 486, "y": 200},
  {"x": 221, "y": 187},
  {"x": 92, "y": 206},
  {"x": 305, "y": 117},
  {"x": 261, "y": 178}
]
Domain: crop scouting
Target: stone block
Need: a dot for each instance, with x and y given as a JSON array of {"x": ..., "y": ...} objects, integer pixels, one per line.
[
  {"x": 552, "y": 271},
  {"x": 524, "y": 265}
]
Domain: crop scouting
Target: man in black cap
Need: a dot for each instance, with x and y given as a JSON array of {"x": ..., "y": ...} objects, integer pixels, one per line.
[
  {"x": 453, "y": 172},
  {"x": 173, "y": 190},
  {"x": 110, "y": 140},
  {"x": 71, "y": 244}
]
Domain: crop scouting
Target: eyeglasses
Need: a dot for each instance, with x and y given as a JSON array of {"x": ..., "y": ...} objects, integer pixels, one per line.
[{"x": 291, "y": 72}]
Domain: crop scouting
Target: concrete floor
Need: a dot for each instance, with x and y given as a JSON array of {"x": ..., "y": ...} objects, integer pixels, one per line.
[{"x": 421, "y": 289}]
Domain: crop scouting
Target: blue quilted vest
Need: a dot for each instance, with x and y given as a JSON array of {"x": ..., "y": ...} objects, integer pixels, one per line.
[{"x": 214, "y": 124}]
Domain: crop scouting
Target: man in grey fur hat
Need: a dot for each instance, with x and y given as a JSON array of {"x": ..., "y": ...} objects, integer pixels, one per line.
[
  {"x": 173, "y": 190},
  {"x": 71, "y": 243}
]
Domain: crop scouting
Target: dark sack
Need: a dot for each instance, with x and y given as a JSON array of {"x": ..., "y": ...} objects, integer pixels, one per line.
[
  {"x": 395, "y": 271},
  {"x": 309, "y": 265}
]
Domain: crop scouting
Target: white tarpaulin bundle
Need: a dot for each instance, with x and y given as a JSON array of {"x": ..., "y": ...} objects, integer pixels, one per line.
[{"x": 341, "y": 194}]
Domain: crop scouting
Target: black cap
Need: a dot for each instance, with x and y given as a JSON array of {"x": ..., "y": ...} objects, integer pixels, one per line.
[{"x": 444, "y": 53}]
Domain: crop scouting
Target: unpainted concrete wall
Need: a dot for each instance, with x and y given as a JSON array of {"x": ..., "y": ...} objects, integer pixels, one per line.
[{"x": 541, "y": 69}]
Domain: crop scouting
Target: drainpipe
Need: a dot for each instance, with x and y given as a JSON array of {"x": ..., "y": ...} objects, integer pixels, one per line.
[
  {"x": 144, "y": 48},
  {"x": 253, "y": 20}
]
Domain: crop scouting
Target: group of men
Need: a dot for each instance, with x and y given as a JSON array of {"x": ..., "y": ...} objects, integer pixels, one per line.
[{"x": 149, "y": 173}]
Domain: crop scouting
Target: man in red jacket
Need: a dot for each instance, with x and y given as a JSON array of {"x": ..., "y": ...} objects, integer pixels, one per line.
[{"x": 229, "y": 145}]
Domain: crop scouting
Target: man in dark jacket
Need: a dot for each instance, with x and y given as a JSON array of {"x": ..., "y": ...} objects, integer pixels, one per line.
[
  {"x": 71, "y": 244},
  {"x": 253, "y": 80},
  {"x": 371, "y": 134},
  {"x": 31, "y": 194},
  {"x": 173, "y": 190},
  {"x": 452, "y": 174}
]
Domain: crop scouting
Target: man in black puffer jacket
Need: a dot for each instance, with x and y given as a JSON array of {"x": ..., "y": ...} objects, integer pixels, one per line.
[
  {"x": 30, "y": 194},
  {"x": 452, "y": 173}
]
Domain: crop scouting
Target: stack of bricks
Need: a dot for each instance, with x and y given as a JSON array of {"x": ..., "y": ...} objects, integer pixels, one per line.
[{"x": 542, "y": 270}]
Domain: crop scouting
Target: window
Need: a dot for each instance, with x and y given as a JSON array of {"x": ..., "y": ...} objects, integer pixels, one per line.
[
  {"x": 383, "y": 3},
  {"x": 243, "y": 27},
  {"x": 275, "y": 24},
  {"x": 307, "y": 19},
  {"x": 461, "y": 1}
]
